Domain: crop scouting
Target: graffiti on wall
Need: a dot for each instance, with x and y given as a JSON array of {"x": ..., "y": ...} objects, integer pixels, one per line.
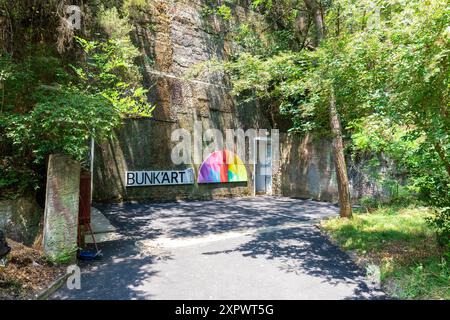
[{"x": 222, "y": 166}]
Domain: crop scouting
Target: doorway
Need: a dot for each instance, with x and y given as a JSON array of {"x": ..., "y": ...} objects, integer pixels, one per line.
[{"x": 262, "y": 170}]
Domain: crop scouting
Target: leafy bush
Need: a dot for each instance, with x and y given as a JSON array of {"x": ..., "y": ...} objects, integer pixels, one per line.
[
  {"x": 224, "y": 11},
  {"x": 48, "y": 106},
  {"x": 403, "y": 244},
  {"x": 113, "y": 24},
  {"x": 390, "y": 78},
  {"x": 111, "y": 73},
  {"x": 62, "y": 122},
  {"x": 136, "y": 10},
  {"x": 441, "y": 222},
  {"x": 16, "y": 178},
  {"x": 426, "y": 280}
]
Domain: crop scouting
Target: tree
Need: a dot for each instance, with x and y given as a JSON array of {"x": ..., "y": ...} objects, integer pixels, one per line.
[
  {"x": 269, "y": 82},
  {"x": 345, "y": 207},
  {"x": 316, "y": 12},
  {"x": 362, "y": 66},
  {"x": 48, "y": 105}
]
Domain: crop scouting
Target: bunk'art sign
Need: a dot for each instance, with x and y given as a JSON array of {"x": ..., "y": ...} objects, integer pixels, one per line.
[
  {"x": 219, "y": 167},
  {"x": 159, "y": 178}
]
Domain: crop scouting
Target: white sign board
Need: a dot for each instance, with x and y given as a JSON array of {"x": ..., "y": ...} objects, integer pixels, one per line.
[{"x": 158, "y": 178}]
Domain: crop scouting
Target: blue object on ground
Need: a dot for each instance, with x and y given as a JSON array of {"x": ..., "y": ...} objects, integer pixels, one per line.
[{"x": 89, "y": 255}]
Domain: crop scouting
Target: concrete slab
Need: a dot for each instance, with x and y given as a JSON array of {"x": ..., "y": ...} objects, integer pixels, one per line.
[{"x": 101, "y": 227}]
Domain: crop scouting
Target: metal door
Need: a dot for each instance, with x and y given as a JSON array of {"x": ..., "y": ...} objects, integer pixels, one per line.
[{"x": 263, "y": 166}]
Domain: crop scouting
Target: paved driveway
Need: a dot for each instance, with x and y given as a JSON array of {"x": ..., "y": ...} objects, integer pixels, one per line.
[{"x": 248, "y": 248}]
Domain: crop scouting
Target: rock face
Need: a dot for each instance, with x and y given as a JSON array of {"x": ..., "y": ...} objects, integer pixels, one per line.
[
  {"x": 175, "y": 37},
  {"x": 19, "y": 219},
  {"x": 61, "y": 207},
  {"x": 307, "y": 171}
]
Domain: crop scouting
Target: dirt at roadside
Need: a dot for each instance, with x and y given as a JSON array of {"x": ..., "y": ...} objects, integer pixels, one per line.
[{"x": 27, "y": 273}]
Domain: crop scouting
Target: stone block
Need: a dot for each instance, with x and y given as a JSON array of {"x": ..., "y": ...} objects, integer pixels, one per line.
[
  {"x": 61, "y": 207},
  {"x": 19, "y": 219}
]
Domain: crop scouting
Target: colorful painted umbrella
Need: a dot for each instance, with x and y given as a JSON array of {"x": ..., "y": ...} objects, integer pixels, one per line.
[{"x": 222, "y": 166}]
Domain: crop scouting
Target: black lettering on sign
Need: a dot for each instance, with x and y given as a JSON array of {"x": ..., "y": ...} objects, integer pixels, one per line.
[
  {"x": 130, "y": 178},
  {"x": 174, "y": 177},
  {"x": 166, "y": 177},
  {"x": 137, "y": 178},
  {"x": 156, "y": 177},
  {"x": 148, "y": 179},
  {"x": 182, "y": 176}
]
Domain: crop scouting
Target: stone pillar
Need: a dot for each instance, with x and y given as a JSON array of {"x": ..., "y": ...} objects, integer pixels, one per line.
[{"x": 61, "y": 208}]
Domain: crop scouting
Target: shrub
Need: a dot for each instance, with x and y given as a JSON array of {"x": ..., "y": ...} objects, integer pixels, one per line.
[
  {"x": 441, "y": 223},
  {"x": 62, "y": 122},
  {"x": 110, "y": 72}
]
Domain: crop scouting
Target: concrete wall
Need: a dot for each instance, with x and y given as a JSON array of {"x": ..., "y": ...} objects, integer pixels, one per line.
[
  {"x": 145, "y": 145},
  {"x": 307, "y": 171},
  {"x": 174, "y": 38}
]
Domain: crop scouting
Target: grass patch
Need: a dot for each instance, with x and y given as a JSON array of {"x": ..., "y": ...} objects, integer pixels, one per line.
[{"x": 403, "y": 244}]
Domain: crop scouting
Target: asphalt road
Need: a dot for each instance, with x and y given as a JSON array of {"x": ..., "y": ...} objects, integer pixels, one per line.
[{"x": 249, "y": 248}]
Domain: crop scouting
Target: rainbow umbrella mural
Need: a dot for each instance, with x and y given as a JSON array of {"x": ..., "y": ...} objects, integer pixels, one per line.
[{"x": 222, "y": 166}]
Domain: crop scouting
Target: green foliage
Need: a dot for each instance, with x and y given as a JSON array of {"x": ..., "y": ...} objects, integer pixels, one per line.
[
  {"x": 110, "y": 72},
  {"x": 62, "y": 122},
  {"x": 426, "y": 280},
  {"x": 110, "y": 69},
  {"x": 25, "y": 22},
  {"x": 369, "y": 232},
  {"x": 387, "y": 64},
  {"x": 64, "y": 257},
  {"x": 289, "y": 24},
  {"x": 441, "y": 222},
  {"x": 404, "y": 90},
  {"x": 24, "y": 76},
  {"x": 46, "y": 110},
  {"x": 224, "y": 11},
  {"x": 135, "y": 9},
  {"x": 279, "y": 78},
  {"x": 20, "y": 80},
  {"x": 113, "y": 24},
  {"x": 16, "y": 178},
  {"x": 217, "y": 8},
  {"x": 402, "y": 243},
  {"x": 248, "y": 39},
  {"x": 48, "y": 106}
]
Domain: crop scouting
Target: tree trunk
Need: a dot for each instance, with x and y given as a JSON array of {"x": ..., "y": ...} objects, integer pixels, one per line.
[
  {"x": 335, "y": 124},
  {"x": 314, "y": 8},
  {"x": 339, "y": 160}
]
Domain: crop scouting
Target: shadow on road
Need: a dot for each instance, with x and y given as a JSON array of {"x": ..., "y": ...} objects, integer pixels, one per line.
[
  {"x": 199, "y": 218},
  {"x": 304, "y": 250},
  {"x": 301, "y": 250}
]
